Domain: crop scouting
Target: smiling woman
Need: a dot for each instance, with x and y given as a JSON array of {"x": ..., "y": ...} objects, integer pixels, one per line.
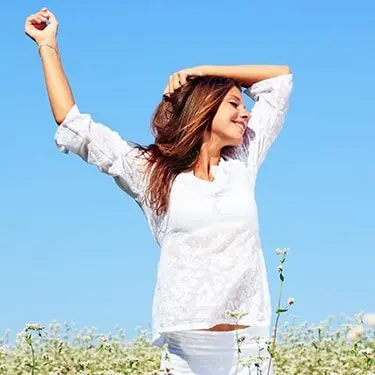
[
  {"x": 186, "y": 130},
  {"x": 195, "y": 184}
]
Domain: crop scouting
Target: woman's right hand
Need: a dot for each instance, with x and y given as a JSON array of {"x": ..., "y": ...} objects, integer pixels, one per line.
[
  {"x": 37, "y": 29},
  {"x": 179, "y": 78}
]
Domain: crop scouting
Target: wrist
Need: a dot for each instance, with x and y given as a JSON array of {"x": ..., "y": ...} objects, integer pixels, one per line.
[
  {"x": 46, "y": 45},
  {"x": 50, "y": 41}
]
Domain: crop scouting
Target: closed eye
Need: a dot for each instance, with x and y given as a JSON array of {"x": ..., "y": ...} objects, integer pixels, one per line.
[{"x": 234, "y": 104}]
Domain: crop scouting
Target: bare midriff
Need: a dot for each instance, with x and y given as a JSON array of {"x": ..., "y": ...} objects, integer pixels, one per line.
[{"x": 223, "y": 327}]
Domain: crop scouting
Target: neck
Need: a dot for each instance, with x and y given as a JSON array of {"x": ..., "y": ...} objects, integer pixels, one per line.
[{"x": 209, "y": 155}]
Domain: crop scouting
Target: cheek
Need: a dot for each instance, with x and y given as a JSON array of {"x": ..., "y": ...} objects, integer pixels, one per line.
[
  {"x": 223, "y": 118},
  {"x": 220, "y": 123}
]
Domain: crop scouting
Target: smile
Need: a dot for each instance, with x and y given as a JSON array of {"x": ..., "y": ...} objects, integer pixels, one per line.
[{"x": 240, "y": 126}]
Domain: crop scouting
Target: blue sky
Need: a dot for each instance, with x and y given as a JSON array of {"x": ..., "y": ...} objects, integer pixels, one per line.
[{"x": 74, "y": 247}]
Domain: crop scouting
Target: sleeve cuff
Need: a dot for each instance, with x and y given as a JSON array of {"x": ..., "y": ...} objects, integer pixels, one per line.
[{"x": 74, "y": 111}]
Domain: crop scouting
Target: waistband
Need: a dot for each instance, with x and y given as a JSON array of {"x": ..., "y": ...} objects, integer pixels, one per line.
[{"x": 217, "y": 340}]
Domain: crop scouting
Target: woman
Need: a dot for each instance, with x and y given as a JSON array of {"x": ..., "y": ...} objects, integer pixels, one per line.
[{"x": 195, "y": 185}]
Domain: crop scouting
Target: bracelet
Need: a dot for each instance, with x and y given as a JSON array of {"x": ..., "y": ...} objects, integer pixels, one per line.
[{"x": 46, "y": 44}]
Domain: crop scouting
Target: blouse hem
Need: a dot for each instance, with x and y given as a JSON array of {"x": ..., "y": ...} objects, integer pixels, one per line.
[{"x": 159, "y": 341}]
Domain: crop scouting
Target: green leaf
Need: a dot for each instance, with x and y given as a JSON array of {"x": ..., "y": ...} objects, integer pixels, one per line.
[
  {"x": 28, "y": 339},
  {"x": 281, "y": 311}
]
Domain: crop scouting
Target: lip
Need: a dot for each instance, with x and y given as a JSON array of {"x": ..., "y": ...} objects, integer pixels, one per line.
[{"x": 241, "y": 124}]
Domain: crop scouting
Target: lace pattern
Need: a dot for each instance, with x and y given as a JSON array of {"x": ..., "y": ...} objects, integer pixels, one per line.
[{"x": 203, "y": 273}]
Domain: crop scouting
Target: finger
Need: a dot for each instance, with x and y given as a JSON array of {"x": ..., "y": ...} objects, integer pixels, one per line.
[
  {"x": 176, "y": 81},
  {"x": 43, "y": 14},
  {"x": 51, "y": 17},
  {"x": 29, "y": 19},
  {"x": 42, "y": 17},
  {"x": 170, "y": 85},
  {"x": 165, "y": 92},
  {"x": 35, "y": 18},
  {"x": 182, "y": 77},
  {"x": 32, "y": 19},
  {"x": 39, "y": 18},
  {"x": 50, "y": 14}
]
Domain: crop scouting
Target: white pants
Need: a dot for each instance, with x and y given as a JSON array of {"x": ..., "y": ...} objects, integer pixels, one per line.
[{"x": 215, "y": 352}]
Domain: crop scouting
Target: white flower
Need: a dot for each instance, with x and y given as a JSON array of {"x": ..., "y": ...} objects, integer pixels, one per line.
[
  {"x": 33, "y": 327},
  {"x": 282, "y": 251},
  {"x": 241, "y": 339},
  {"x": 369, "y": 318},
  {"x": 355, "y": 333},
  {"x": 290, "y": 301},
  {"x": 366, "y": 351}
]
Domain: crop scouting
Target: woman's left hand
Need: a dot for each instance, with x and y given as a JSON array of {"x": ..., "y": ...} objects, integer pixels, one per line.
[{"x": 179, "y": 78}]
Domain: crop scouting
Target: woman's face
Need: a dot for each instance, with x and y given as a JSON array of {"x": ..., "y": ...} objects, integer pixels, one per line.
[{"x": 231, "y": 119}]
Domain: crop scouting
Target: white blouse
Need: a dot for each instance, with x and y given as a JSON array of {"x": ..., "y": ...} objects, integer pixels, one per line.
[{"x": 211, "y": 258}]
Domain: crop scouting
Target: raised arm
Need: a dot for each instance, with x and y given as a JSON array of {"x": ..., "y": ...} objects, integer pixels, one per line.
[
  {"x": 94, "y": 142},
  {"x": 270, "y": 87},
  {"x": 45, "y": 35},
  {"x": 246, "y": 75}
]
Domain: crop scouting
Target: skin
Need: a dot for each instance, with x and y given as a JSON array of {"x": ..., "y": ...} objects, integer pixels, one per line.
[
  {"x": 58, "y": 89},
  {"x": 228, "y": 128},
  {"x": 223, "y": 327}
]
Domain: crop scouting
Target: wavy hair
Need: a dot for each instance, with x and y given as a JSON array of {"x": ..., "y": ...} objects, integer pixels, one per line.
[{"x": 178, "y": 125}]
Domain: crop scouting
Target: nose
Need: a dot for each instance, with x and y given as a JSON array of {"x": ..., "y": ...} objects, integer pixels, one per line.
[{"x": 245, "y": 115}]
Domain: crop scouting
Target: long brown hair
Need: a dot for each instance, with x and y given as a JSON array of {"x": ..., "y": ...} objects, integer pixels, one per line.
[{"x": 178, "y": 124}]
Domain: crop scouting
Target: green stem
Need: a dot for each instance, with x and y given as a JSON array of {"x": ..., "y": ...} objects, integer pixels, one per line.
[
  {"x": 33, "y": 357},
  {"x": 59, "y": 354},
  {"x": 278, "y": 315},
  {"x": 238, "y": 349},
  {"x": 277, "y": 320}
]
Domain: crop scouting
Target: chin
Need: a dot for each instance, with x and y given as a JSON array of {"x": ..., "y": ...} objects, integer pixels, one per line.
[{"x": 236, "y": 142}]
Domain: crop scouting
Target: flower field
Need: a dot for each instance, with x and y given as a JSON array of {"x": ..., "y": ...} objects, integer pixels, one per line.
[
  {"x": 303, "y": 349},
  {"x": 317, "y": 349}
]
